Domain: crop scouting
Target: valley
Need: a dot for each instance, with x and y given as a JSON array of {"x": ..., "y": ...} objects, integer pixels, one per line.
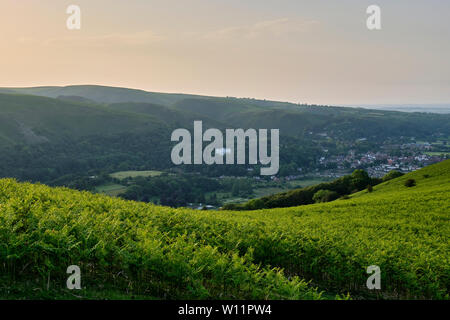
[
  {"x": 88, "y": 180},
  {"x": 78, "y": 136}
]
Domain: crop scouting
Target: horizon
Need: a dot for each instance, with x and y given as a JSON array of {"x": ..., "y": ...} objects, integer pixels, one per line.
[
  {"x": 446, "y": 105},
  {"x": 296, "y": 51}
]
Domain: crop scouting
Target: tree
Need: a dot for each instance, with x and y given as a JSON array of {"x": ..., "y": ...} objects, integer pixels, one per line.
[
  {"x": 392, "y": 175},
  {"x": 360, "y": 179},
  {"x": 235, "y": 189},
  {"x": 325, "y": 196}
]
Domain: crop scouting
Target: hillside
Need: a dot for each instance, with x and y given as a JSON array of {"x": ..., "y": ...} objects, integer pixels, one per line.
[
  {"x": 292, "y": 119},
  {"x": 43, "y": 138},
  {"x": 302, "y": 120},
  {"x": 32, "y": 119},
  {"x": 101, "y": 94},
  {"x": 130, "y": 248},
  {"x": 51, "y": 132},
  {"x": 110, "y": 95}
]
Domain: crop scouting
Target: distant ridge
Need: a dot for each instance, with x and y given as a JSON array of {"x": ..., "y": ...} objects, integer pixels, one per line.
[
  {"x": 102, "y": 94},
  {"x": 108, "y": 95},
  {"x": 425, "y": 108}
]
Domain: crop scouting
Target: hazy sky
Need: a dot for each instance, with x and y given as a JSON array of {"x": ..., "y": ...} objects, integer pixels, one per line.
[{"x": 311, "y": 51}]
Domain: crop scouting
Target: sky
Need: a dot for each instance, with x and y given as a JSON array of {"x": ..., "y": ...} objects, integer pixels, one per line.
[{"x": 317, "y": 52}]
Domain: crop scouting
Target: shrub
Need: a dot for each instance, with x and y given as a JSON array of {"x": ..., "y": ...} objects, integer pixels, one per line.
[
  {"x": 255, "y": 204},
  {"x": 232, "y": 206},
  {"x": 325, "y": 196},
  {"x": 410, "y": 183},
  {"x": 376, "y": 181},
  {"x": 369, "y": 188},
  {"x": 392, "y": 175},
  {"x": 360, "y": 179}
]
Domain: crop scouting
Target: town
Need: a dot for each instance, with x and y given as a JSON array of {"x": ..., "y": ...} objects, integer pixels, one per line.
[{"x": 404, "y": 157}]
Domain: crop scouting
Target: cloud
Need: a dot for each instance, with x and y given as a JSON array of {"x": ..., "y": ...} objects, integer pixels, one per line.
[
  {"x": 270, "y": 28},
  {"x": 278, "y": 28}
]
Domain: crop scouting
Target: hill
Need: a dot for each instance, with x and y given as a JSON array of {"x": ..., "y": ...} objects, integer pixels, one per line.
[
  {"x": 130, "y": 248},
  {"x": 51, "y": 132},
  {"x": 43, "y": 138},
  {"x": 101, "y": 94},
  {"x": 25, "y": 118},
  {"x": 291, "y": 119},
  {"x": 110, "y": 95}
]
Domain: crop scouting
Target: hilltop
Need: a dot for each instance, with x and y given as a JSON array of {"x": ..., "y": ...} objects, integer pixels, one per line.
[{"x": 128, "y": 248}]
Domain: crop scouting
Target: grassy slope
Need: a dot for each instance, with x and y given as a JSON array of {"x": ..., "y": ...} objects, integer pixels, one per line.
[
  {"x": 44, "y": 230},
  {"x": 56, "y": 120},
  {"x": 167, "y": 252},
  {"x": 402, "y": 230}
]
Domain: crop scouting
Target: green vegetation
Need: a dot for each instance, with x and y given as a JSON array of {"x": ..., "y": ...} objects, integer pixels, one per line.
[
  {"x": 306, "y": 182},
  {"x": 437, "y": 153},
  {"x": 111, "y": 189},
  {"x": 145, "y": 250},
  {"x": 410, "y": 183},
  {"x": 323, "y": 192},
  {"x": 47, "y": 133},
  {"x": 324, "y": 195},
  {"x": 392, "y": 175},
  {"x": 184, "y": 189},
  {"x": 115, "y": 242},
  {"x": 170, "y": 189},
  {"x": 133, "y": 174}
]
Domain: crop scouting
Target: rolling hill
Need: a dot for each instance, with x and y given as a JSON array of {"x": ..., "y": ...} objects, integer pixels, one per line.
[
  {"x": 49, "y": 132},
  {"x": 32, "y": 119},
  {"x": 101, "y": 94},
  {"x": 292, "y": 119},
  {"x": 44, "y": 138},
  {"x": 128, "y": 248}
]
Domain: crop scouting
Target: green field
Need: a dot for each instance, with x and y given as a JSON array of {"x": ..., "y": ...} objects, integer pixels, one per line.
[
  {"x": 141, "y": 249},
  {"x": 261, "y": 192},
  {"x": 306, "y": 182},
  {"x": 133, "y": 174},
  {"x": 112, "y": 190}
]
